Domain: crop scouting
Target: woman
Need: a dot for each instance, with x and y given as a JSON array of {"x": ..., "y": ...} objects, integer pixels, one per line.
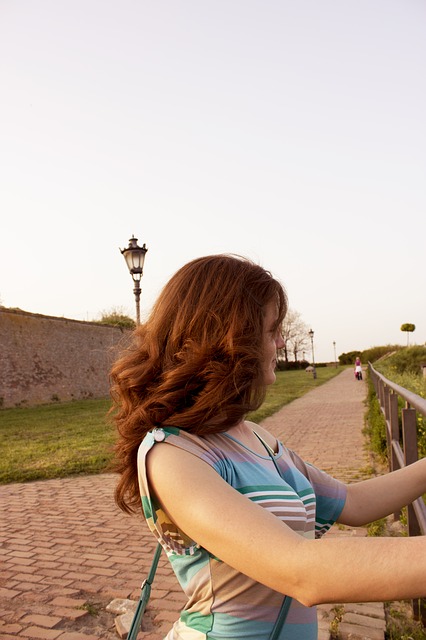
[
  {"x": 241, "y": 532},
  {"x": 358, "y": 369}
]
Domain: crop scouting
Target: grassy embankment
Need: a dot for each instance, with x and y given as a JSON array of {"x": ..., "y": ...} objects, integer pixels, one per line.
[
  {"x": 403, "y": 367},
  {"x": 59, "y": 440}
]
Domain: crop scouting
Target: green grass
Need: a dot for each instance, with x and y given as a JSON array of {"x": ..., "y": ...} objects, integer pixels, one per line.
[
  {"x": 400, "y": 623},
  {"x": 402, "y": 368},
  {"x": 55, "y": 440},
  {"x": 59, "y": 440}
]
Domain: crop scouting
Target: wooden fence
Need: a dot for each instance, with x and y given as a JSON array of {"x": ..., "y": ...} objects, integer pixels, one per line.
[{"x": 400, "y": 408}]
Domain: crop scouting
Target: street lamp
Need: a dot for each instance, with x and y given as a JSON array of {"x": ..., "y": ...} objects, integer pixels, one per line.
[
  {"x": 311, "y": 335},
  {"x": 135, "y": 258},
  {"x": 335, "y": 359}
]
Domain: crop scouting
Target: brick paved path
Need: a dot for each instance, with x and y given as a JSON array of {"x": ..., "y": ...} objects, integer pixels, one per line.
[
  {"x": 325, "y": 426},
  {"x": 66, "y": 550}
]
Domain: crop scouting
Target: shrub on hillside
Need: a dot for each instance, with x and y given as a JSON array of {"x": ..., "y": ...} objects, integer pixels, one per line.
[
  {"x": 377, "y": 353},
  {"x": 403, "y": 368},
  {"x": 291, "y": 365},
  {"x": 375, "y": 427},
  {"x": 116, "y": 318},
  {"x": 283, "y": 365},
  {"x": 368, "y": 355},
  {"x": 408, "y": 360},
  {"x": 349, "y": 357}
]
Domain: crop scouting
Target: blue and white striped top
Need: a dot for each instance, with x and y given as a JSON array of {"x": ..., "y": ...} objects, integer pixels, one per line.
[{"x": 223, "y": 603}]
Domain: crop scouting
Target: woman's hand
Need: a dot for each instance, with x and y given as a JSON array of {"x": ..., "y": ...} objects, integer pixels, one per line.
[{"x": 378, "y": 497}]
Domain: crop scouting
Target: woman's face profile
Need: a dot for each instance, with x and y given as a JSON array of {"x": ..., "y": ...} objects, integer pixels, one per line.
[{"x": 272, "y": 340}]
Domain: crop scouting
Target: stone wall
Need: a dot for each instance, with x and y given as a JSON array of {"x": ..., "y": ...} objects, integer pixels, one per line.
[{"x": 45, "y": 359}]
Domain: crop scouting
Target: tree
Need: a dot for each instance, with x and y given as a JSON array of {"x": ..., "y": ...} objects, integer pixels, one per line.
[
  {"x": 408, "y": 328},
  {"x": 116, "y": 318},
  {"x": 295, "y": 335}
]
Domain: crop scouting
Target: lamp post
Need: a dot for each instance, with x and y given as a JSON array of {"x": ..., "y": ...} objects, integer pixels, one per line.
[
  {"x": 311, "y": 335},
  {"x": 135, "y": 258},
  {"x": 335, "y": 359}
]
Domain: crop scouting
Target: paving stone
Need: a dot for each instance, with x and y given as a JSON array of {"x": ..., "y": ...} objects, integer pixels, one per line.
[
  {"x": 41, "y": 633},
  {"x": 371, "y": 609},
  {"x": 41, "y": 620},
  {"x": 10, "y": 628},
  {"x": 325, "y": 611},
  {"x": 123, "y": 623},
  {"x": 364, "y": 621},
  {"x": 8, "y": 593},
  {"x": 324, "y": 624},
  {"x": 71, "y": 614},
  {"x": 68, "y": 602},
  {"x": 30, "y": 586},
  {"x": 357, "y": 632},
  {"x": 120, "y": 606},
  {"x": 75, "y": 635}
]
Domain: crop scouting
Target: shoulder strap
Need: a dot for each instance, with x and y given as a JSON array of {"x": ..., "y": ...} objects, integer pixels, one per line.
[
  {"x": 279, "y": 622},
  {"x": 144, "y": 597}
]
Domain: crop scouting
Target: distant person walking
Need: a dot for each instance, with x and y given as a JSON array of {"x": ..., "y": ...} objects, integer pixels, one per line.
[{"x": 358, "y": 369}]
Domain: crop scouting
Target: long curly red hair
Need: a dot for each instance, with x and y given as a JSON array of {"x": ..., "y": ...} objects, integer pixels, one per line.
[{"x": 196, "y": 363}]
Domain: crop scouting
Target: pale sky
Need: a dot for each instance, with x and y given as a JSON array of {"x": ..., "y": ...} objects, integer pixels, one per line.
[{"x": 291, "y": 132}]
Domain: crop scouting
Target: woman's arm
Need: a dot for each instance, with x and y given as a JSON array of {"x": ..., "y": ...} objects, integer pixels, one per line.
[
  {"x": 378, "y": 497},
  {"x": 256, "y": 543}
]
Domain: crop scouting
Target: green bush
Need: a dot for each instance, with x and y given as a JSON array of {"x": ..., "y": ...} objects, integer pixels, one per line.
[
  {"x": 377, "y": 353},
  {"x": 403, "y": 367},
  {"x": 291, "y": 365},
  {"x": 116, "y": 318},
  {"x": 408, "y": 360},
  {"x": 375, "y": 427},
  {"x": 369, "y": 355},
  {"x": 349, "y": 358}
]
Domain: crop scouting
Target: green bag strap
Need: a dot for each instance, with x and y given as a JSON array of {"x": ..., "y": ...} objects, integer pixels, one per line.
[{"x": 144, "y": 597}]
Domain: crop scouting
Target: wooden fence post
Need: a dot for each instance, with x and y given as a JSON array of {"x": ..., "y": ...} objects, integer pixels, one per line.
[
  {"x": 394, "y": 434},
  {"x": 399, "y": 456},
  {"x": 409, "y": 435}
]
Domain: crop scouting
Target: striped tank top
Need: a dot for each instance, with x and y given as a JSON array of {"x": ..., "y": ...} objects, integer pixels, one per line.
[{"x": 224, "y": 604}]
